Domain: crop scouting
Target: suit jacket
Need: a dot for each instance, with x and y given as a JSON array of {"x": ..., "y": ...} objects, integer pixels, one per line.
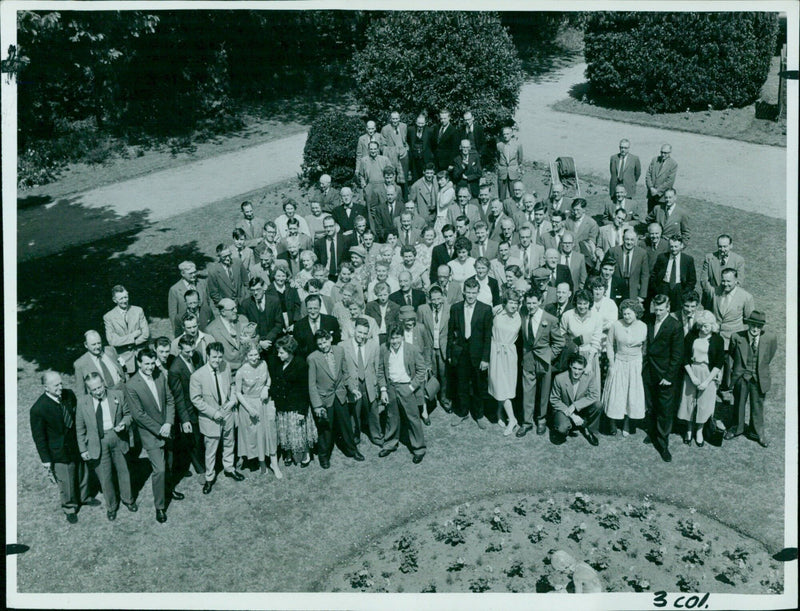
[
  {"x": 663, "y": 352},
  {"x": 468, "y": 171},
  {"x": 326, "y": 308},
  {"x": 178, "y": 380},
  {"x": 203, "y": 395},
  {"x": 426, "y": 325},
  {"x": 586, "y": 394},
  {"x": 563, "y": 274},
  {"x": 362, "y": 147},
  {"x": 639, "y": 278},
  {"x": 324, "y": 385},
  {"x": 631, "y": 172},
  {"x": 661, "y": 176},
  {"x": 415, "y": 368},
  {"x": 306, "y": 342},
  {"x": 85, "y": 364},
  {"x": 253, "y": 231},
  {"x": 439, "y": 257},
  {"x": 395, "y": 145},
  {"x": 654, "y": 251},
  {"x": 490, "y": 250},
  {"x": 413, "y": 234},
  {"x": 471, "y": 211},
  {"x": 739, "y": 350},
  {"x": 305, "y": 243},
  {"x": 676, "y": 224},
  {"x": 539, "y": 352},
  {"x": 611, "y": 207},
  {"x": 269, "y": 321},
  {"x": 235, "y": 347},
  {"x": 293, "y": 265},
  {"x": 509, "y": 160},
  {"x": 535, "y": 252},
  {"x": 149, "y": 416},
  {"x": 329, "y": 200},
  {"x": 688, "y": 274},
  {"x": 221, "y": 285},
  {"x": 577, "y": 270},
  {"x": 176, "y": 305},
  {"x": 445, "y": 145},
  {"x": 585, "y": 237},
  {"x": 392, "y": 311},
  {"x": 371, "y": 351},
  {"x": 292, "y": 301},
  {"x": 289, "y": 386},
  {"x": 552, "y": 309},
  {"x": 347, "y": 223},
  {"x": 731, "y": 315},
  {"x": 423, "y": 197},
  {"x": 618, "y": 289},
  {"x": 548, "y": 240},
  {"x": 421, "y": 148},
  {"x": 711, "y": 275},
  {"x": 417, "y": 298},
  {"x": 452, "y": 294},
  {"x": 86, "y": 421},
  {"x": 609, "y": 237},
  {"x": 342, "y": 244},
  {"x": 678, "y": 315},
  {"x": 380, "y": 219},
  {"x": 476, "y": 138},
  {"x": 54, "y": 441},
  {"x": 479, "y": 343},
  {"x": 120, "y": 329}
]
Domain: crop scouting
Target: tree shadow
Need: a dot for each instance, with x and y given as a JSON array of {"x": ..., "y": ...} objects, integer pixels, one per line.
[
  {"x": 32, "y": 201},
  {"x": 582, "y": 92},
  {"x": 63, "y": 295}
]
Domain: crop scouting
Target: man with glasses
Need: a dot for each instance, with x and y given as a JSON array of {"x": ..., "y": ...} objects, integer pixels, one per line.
[
  {"x": 625, "y": 169},
  {"x": 660, "y": 177}
]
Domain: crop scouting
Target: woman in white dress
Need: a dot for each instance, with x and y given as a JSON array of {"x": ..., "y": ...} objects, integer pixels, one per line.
[
  {"x": 425, "y": 247},
  {"x": 583, "y": 327},
  {"x": 623, "y": 395},
  {"x": 447, "y": 195},
  {"x": 503, "y": 357},
  {"x": 463, "y": 266},
  {"x": 606, "y": 309}
]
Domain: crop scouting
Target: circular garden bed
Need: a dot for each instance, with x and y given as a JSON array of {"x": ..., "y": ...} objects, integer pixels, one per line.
[{"x": 562, "y": 542}]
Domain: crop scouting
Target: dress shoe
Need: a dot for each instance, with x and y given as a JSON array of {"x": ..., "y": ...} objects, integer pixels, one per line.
[
  {"x": 591, "y": 437},
  {"x": 208, "y": 486},
  {"x": 613, "y": 432},
  {"x": 384, "y": 453},
  {"x": 161, "y": 516},
  {"x": 687, "y": 441},
  {"x": 665, "y": 455},
  {"x": 459, "y": 420},
  {"x": 358, "y": 456},
  {"x": 288, "y": 462},
  {"x": 417, "y": 458},
  {"x": 72, "y": 518},
  {"x": 481, "y": 422},
  {"x": 541, "y": 428},
  {"x": 523, "y": 430},
  {"x": 132, "y": 507},
  {"x": 305, "y": 463},
  {"x": 447, "y": 408},
  {"x": 91, "y": 503},
  {"x": 730, "y": 434},
  {"x": 700, "y": 444},
  {"x": 234, "y": 475},
  {"x": 426, "y": 421},
  {"x": 763, "y": 443},
  {"x": 325, "y": 464},
  {"x": 111, "y": 515},
  {"x": 177, "y": 496}
]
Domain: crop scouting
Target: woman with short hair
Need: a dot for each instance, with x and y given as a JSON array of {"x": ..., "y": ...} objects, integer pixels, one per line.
[{"x": 503, "y": 358}]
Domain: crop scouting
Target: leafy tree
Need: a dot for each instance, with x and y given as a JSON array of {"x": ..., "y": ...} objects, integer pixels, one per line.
[
  {"x": 426, "y": 61},
  {"x": 668, "y": 62},
  {"x": 331, "y": 148}
]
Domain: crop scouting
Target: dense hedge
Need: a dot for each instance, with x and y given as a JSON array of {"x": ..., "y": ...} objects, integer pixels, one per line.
[
  {"x": 426, "y": 61},
  {"x": 668, "y": 62},
  {"x": 331, "y": 148}
]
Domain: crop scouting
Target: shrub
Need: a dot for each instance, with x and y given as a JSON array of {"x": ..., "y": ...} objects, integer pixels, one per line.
[
  {"x": 426, "y": 61},
  {"x": 668, "y": 62},
  {"x": 331, "y": 148}
]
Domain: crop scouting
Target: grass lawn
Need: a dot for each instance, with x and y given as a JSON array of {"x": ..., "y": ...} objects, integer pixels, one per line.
[{"x": 265, "y": 535}]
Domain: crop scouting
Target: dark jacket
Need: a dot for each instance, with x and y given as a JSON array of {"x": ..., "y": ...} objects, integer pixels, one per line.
[
  {"x": 54, "y": 441},
  {"x": 716, "y": 349},
  {"x": 347, "y": 223},
  {"x": 290, "y": 386},
  {"x": 306, "y": 342},
  {"x": 479, "y": 343},
  {"x": 417, "y": 298},
  {"x": 270, "y": 321}
]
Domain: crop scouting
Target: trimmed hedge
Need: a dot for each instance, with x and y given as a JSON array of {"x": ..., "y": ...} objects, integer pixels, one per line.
[
  {"x": 331, "y": 148},
  {"x": 668, "y": 62}
]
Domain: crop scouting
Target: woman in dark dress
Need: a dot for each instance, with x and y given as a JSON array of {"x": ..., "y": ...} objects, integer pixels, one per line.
[{"x": 297, "y": 432}]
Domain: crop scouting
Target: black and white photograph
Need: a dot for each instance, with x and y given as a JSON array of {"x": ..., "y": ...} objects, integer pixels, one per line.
[{"x": 371, "y": 305}]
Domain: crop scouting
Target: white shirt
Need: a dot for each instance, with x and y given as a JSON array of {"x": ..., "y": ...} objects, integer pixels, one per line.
[
  {"x": 485, "y": 293},
  {"x": 382, "y": 309},
  {"x": 151, "y": 384},
  {"x": 535, "y": 320},
  {"x": 314, "y": 325},
  {"x": 408, "y": 336},
  {"x": 397, "y": 367},
  {"x": 468, "y": 311},
  {"x": 112, "y": 367},
  {"x": 677, "y": 269},
  {"x": 437, "y": 324},
  {"x": 108, "y": 422},
  {"x": 657, "y": 325}
]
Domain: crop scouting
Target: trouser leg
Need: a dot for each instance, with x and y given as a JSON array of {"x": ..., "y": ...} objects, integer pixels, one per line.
[
  {"x": 66, "y": 476},
  {"x": 529, "y": 388},
  {"x": 464, "y": 380},
  {"x": 561, "y": 422},
  {"x": 211, "y": 445},
  {"x": 227, "y": 446},
  {"x": 416, "y": 434},
  {"x": 159, "y": 478},
  {"x": 591, "y": 417},
  {"x": 391, "y": 435},
  {"x": 324, "y": 436},
  {"x": 741, "y": 391},
  {"x": 121, "y": 467},
  {"x": 102, "y": 468},
  {"x": 757, "y": 410},
  {"x": 343, "y": 427}
]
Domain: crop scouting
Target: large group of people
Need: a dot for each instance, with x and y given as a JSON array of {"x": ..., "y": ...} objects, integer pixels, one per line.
[{"x": 440, "y": 288}]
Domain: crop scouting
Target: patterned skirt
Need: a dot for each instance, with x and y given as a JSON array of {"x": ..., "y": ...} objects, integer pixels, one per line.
[{"x": 297, "y": 434}]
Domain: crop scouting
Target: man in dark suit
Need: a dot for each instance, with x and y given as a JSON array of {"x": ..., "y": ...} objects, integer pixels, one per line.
[
  {"x": 557, "y": 272},
  {"x": 654, "y": 244},
  {"x": 190, "y": 450},
  {"x": 433, "y": 320},
  {"x": 332, "y": 249},
  {"x": 673, "y": 273},
  {"x": 361, "y": 355},
  {"x": 226, "y": 278},
  {"x": 752, "y": 352},
  {"x": 445, "y": 142},
  {"x": 467, "y": 170},
  {"x": 102, "y": 418},
  {"x": 661, "y": 373},
  {"x": 625, "y": 169},
  {"x": 104, "y": 361},
  {"x": 406, "y": 295},
  {"x": 346, "y": 213},
  {"x": 265, "y": 311},
  {"x": 443, "y": 253},
  {"x": 542, "y": 342},
  {"x": 474, "y": 133},
  {"x": 291, "y": 256},
  {"x": 715, "y": 262},
  {"x": 305, "y": 329},
  {"x": 563, "y": 300},
  {"x": 674, "y": 220},
  {"x": 328, "y": 383},
  {"x": 382, "y": 205},
  {"x": 53, "y": 430},
  {"x": 252, "y": 225},
  {"x": 420, "y": 148},
  {"x": 660, "y": 176},
  {"x": 614, "y": 287},
  {"x": 153, "y": 409},
  {"x": 177, "y": 297},
  {"x": 469, "y": 338},
  {"x": 324, "y": 194},
  {"x": 575, "y": 398},
  {"x": 632, "y": 266},
  {"x": 383, "y": 310}
]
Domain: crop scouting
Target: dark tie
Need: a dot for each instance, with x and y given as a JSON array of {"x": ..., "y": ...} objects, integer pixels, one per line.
[
  {"x": 673, "y": 274},
  {"x": 408, "y": 298},
  {"x": 531, "y": 338},
  {"x": 332, "y": 250},
  {"x": 361, "y": 374},
  {"x": 106, "y": 373},
  {"x": 723, "y": 262},
  {"x": 66, "y": 415},
  {"x": 408, "y": 238},
  {"x": 626, "y": 270},
  {"x": 98, "y": 415},
  {"x": 219, "y": 392}
]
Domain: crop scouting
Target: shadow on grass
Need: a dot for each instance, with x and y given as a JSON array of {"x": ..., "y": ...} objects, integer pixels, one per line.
[
  {"x": 63, "y": 295},
  {"x": 583, "y": 93}
]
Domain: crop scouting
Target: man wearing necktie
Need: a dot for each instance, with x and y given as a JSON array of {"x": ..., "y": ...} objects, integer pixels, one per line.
[
  {"x": 100, "y": 359},
  {"x": 673, "y": 273},
  {"x": 52, "y": 420},
  {"x": 101, "y": 421},
  {"x": 212, "y": 395},
  {"x": 625, "y": 169},
  {"x": 660, "y": 176},
  {"x": 126, "y": 327},
  {"x": 362, "y": 358},
  {"x": 715, "y": 262},
  {"x": 395, "y": 139}
]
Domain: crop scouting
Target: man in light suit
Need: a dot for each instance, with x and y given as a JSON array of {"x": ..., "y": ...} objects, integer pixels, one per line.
[
  {"x": 227, "y": 329},
  {"x": 542, "y": 342},
  {"x": 509, "y": 162},
  {"x": 433, "y": 318},
  {"x": 304, "y": 242},
  {"x": 463, "y": 207},
  {"x": 328, "y": 382},
  {"x": 226, "y": 278},
  {"x": 153, "y": 410},
  {"x": 176, "y": 299},
  {"x": 252, "y": 225},
  {"x": 574, "y": 261},
  {"x": 364, "y": 140},
  {"x": 731, "y": 305},
  {"x": 612, "y": 235},
  {"x": 425, "y": 191},
  {"x": 552, "y": 238},
  {"x": 619, "y": 200},
  {"x": 660, "y": 176},
  {"x": 557, "y": 202},
  {"x": 625, "y": 169},
  {"x": 483, "y": 246},
  {"x": 192, "y": 333},
  {"x": 101, "y": 420},
  {"x": 383, "y": 310},
  {"x": 211, "y": 393},
  {"x": 362, "y": 362},
  {"x": 467, "y": 170},
  {"x": 752, "y": 352},
  {"x": 126, "y": 327},
  {"x": 395, "y": 146},
  {"x": 575, "y": 397},
  {"x": 585, "y": 230},
  {"x": 407, "y": 233},
  {"x": 326, "y": 195},
  {"x": 401, "y": 377},
  {"x": 528, "y": 252},
  {"x": 98, "y": 359},
  {"x": 715, "y": 262},
  {"x": 673, "y": 219},
  {"x": 450, "y": 290}
]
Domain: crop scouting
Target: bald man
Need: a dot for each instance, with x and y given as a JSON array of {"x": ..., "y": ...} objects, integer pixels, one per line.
[
  {"x": 99, "y": 359},
  {"x": 176, "y": 299},
  {"x": 323, "y": 193}
]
